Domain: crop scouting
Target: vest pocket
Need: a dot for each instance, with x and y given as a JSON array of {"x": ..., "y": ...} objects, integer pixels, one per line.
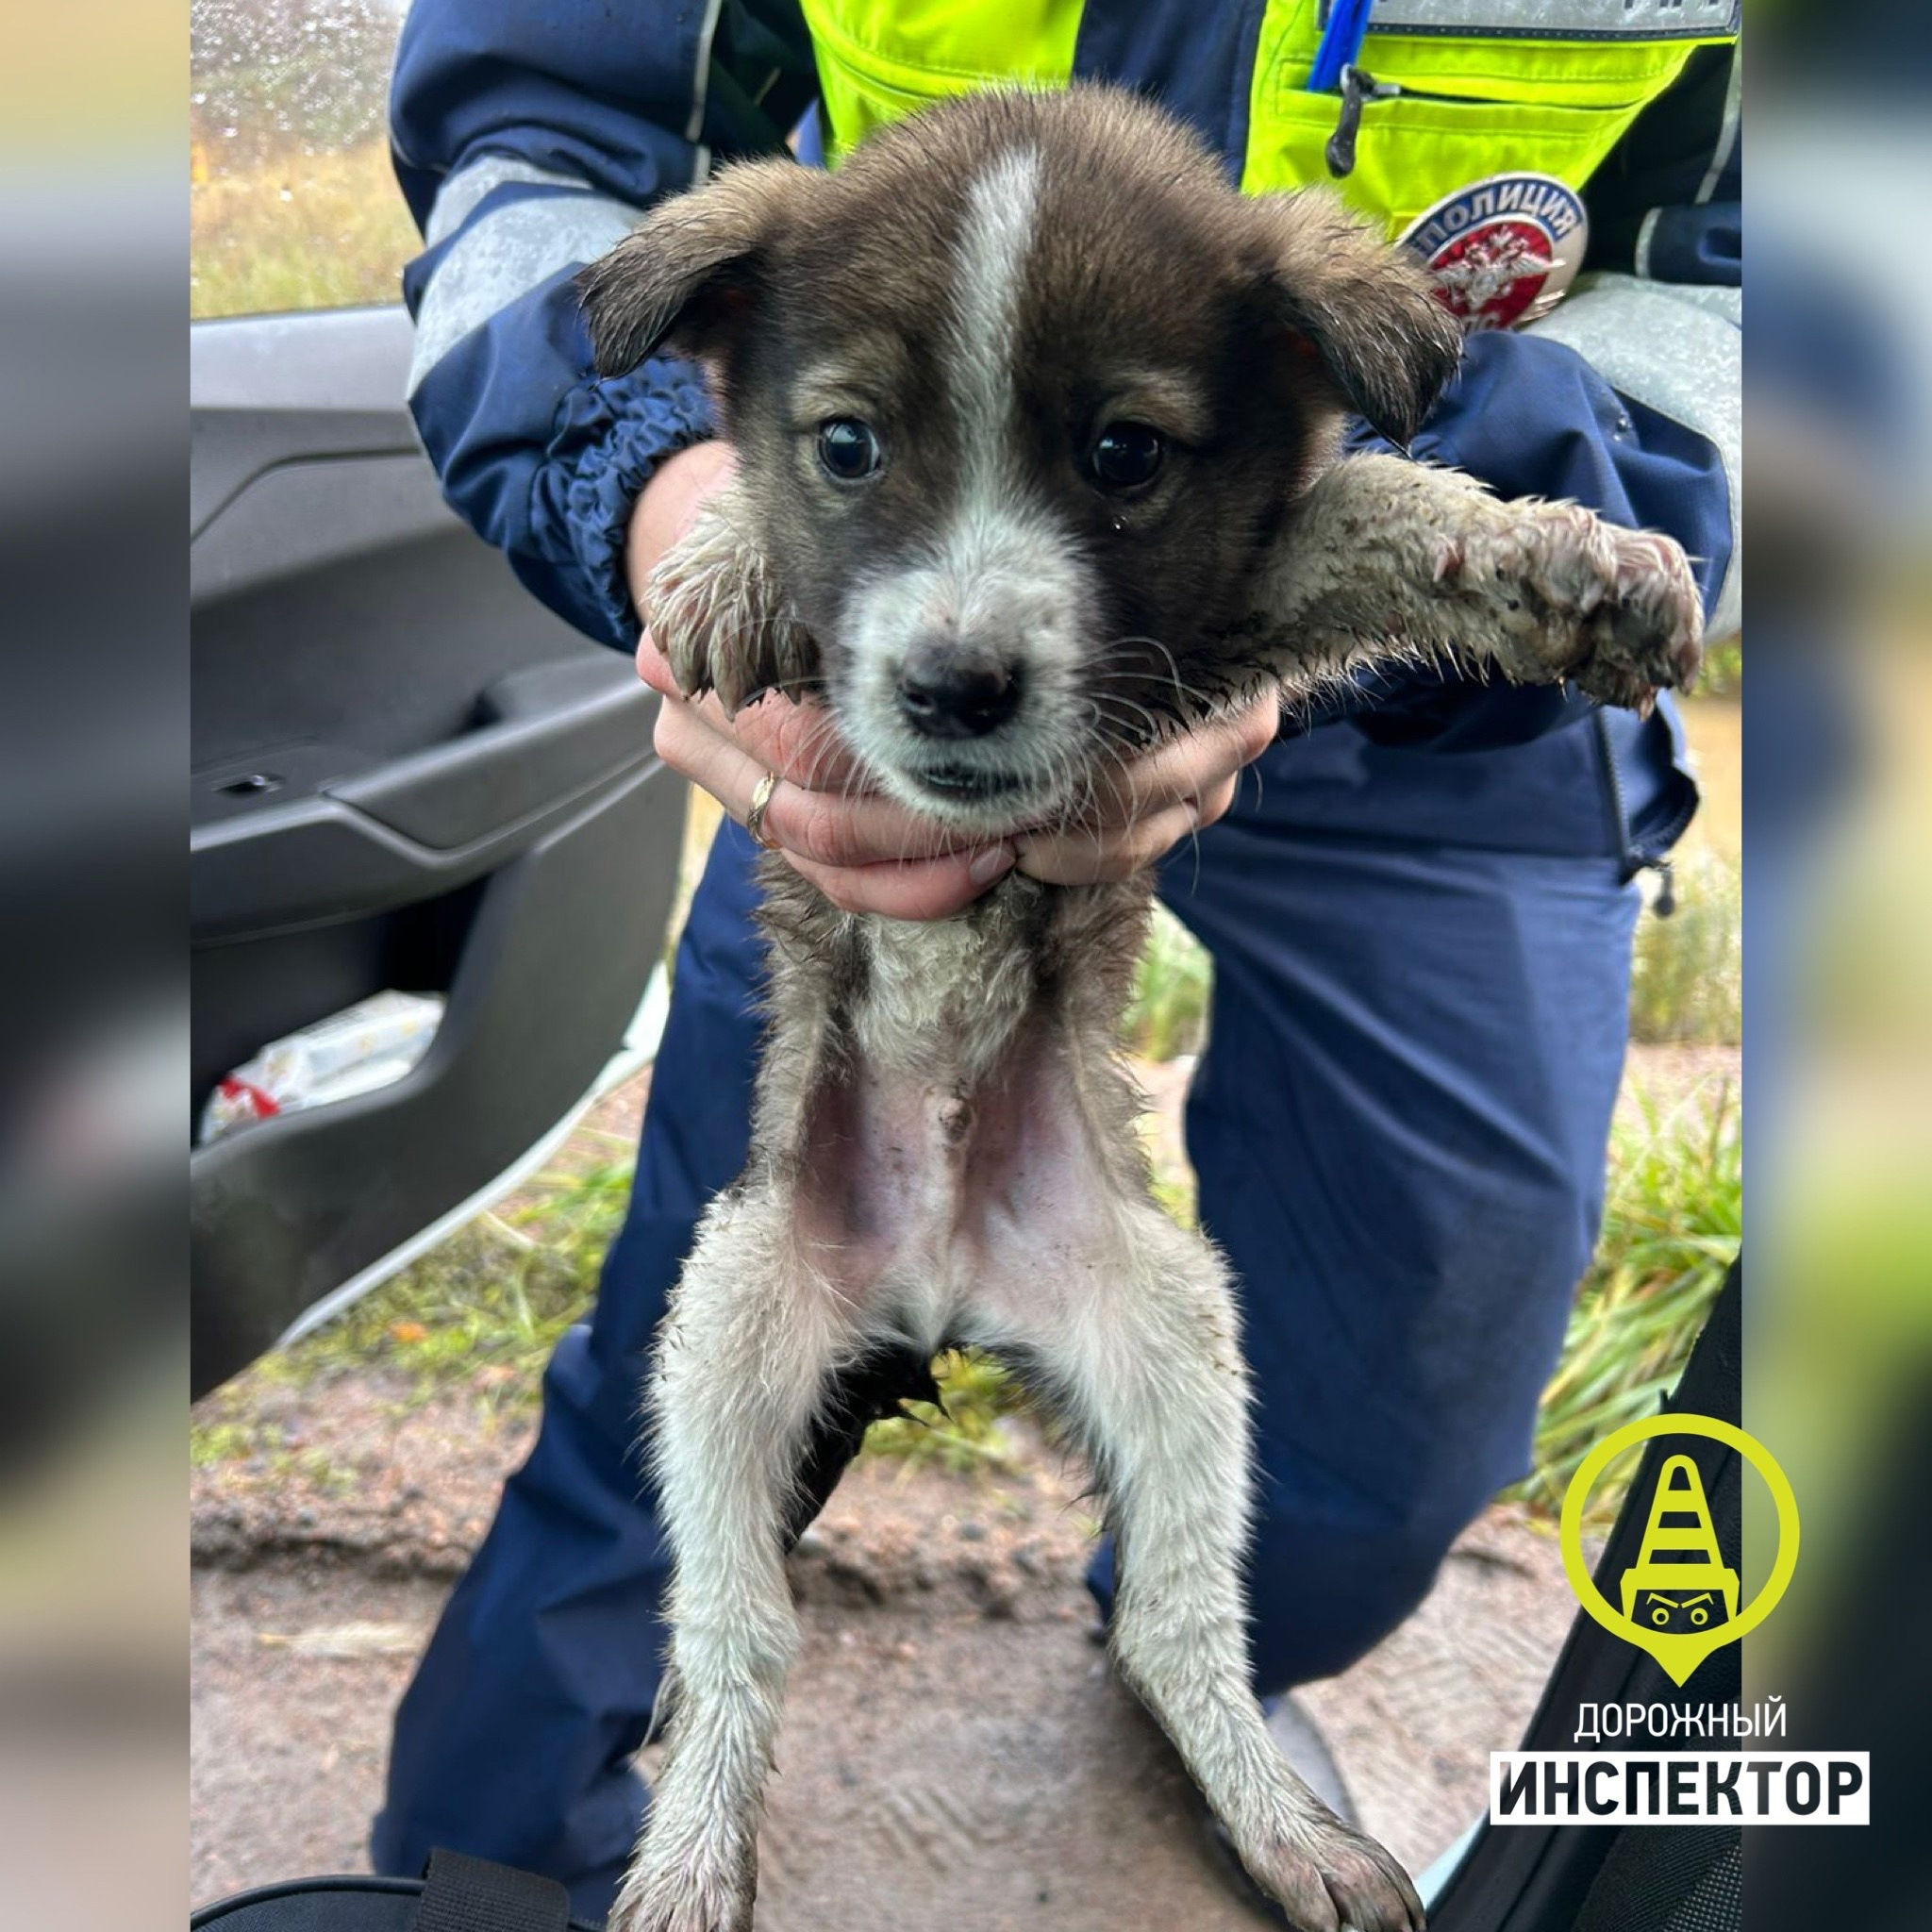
[
  {"x": 1414, "y": 149},
  {"x": 1461, "y": 109}
]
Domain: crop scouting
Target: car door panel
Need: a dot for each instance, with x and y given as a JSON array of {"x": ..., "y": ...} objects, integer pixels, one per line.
[{"x": 406, "y": 773}]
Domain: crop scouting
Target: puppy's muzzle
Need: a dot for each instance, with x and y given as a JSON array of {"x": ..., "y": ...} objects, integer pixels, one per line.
[{"x": 948, "y": 689}]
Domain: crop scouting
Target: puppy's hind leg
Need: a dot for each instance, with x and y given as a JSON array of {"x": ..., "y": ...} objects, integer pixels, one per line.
[
  {"x": 746, "y": 1358},
  {"x": 1151, "y": 1379}
]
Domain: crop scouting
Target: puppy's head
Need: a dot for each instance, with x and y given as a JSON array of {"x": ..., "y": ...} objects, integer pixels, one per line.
[{"x": 1021, "y": 394}]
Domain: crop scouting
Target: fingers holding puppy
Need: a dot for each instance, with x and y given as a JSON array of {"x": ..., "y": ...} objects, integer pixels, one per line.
[
  {"x": 805, "y": 817},
  {"x": 864, "y": 852},
  {"x": 1150, "y": 803},
  {"x": 867, "y": 854}
]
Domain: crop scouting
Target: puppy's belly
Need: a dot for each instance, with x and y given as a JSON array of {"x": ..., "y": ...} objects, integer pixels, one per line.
[{"x": 954, "y": 1211}]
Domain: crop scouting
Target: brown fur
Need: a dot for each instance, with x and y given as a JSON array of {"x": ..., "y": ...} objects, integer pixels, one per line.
[{"x": 1285, "y": 311}]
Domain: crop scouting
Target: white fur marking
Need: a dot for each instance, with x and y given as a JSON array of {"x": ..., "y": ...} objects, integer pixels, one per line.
[
  {"x": 1001, "y": 208},
  {"x": 998, "y": 569}
]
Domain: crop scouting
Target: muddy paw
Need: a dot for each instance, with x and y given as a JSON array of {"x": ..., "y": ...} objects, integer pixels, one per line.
[
  {"x": 1330, "y": 1879},
  {"x": 1646, "y": 635},
  {"x": 713, "y": 610},
  {"x": 1573, "y": 596}
]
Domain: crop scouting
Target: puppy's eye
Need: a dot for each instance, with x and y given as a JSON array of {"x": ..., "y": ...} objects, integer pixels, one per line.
[
  {"x": 849, "y": 450},
  {"x": 1126, "y": 455}
]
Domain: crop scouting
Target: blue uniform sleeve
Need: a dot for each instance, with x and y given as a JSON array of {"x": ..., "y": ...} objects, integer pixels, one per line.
[{"x": 528, "y": 135}]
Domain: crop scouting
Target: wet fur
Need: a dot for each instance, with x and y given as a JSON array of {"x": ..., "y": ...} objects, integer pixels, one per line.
[{"x": 943, "y": 1147}]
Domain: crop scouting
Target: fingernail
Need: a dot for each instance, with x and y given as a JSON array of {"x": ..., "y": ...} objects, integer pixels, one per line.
[{"x": 986, "y": 866}]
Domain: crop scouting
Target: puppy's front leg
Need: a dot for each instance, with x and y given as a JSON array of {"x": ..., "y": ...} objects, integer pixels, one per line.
[
  {"x": 1152, "y": 1383},
  {"x": 743, "y": 1360},
  {"x": 1384, "y": 557}
]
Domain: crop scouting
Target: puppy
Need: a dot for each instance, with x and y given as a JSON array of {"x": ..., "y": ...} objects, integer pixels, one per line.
[{"x": 1037, "y": 423}]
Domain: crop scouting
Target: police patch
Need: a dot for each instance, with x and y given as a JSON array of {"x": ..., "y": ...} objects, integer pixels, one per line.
[{"x": 1502, "y": 250}]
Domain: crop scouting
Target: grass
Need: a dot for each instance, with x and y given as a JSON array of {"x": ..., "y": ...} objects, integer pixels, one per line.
[
  {"x": 326, "y": 230},
  {"x": 1721, "y": 675},
  {"x": 244, "y": 1440},
  {"x": 1686, "y": 972},
  {"x": 479, "y": 1314},
  {"x": 1172, "y": 985},
  {"x": 1672, "y": 1222}
]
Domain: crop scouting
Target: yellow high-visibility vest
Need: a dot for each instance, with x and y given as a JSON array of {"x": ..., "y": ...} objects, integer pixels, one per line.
[{"x": 1474, "y": 102}]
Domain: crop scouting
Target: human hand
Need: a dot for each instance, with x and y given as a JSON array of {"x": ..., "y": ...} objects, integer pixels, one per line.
[
  {"x": 865, "y": 852},
  {"x": 1147, "y": 806}
]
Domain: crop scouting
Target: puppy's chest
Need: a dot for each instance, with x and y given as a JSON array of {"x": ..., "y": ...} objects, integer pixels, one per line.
[{"x": 944, "y": 997}]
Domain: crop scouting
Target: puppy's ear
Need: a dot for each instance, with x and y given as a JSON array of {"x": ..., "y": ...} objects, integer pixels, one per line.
[
  {"x": 688, "y": 269},
  {"x": 1387, "y": 343}
]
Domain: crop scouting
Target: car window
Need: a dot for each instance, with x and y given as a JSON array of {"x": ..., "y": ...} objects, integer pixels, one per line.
[{"x": 292, "y": 202}]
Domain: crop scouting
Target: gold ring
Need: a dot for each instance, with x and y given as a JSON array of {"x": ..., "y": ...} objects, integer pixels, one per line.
[{"x": 755, "y": 818}]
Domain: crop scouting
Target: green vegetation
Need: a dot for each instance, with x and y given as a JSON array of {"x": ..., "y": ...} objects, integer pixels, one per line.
[
  {"x": 1721, "y": 675},
  {"x": 966, "y": 1434},
  {"x": 480, "y": 1314},
  {"x": 217, "y": 1440},
  {"x": 1686, "y": 972},
  {"x": 1168, "y": 1014},
  {"x": 299, "y": 231},
  {"x": 1672, "y": 1222}
]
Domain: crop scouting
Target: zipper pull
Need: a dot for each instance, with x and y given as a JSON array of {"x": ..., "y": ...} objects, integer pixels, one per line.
[
  {"x": 1356, "y": 88},
  {"x": 1666, "y": 901}
]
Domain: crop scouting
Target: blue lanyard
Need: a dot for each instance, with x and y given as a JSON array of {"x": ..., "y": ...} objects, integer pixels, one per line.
[{"x": 1341, "y": 43}]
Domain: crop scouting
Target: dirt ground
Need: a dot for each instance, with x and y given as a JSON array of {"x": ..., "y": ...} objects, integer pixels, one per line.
[{"x": 956, "y": 1751}]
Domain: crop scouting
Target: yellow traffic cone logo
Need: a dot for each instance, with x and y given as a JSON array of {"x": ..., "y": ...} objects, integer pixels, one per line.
[
  {"x": 1680, "y": 1599},
  {"x": 1678, "y": 1573}
]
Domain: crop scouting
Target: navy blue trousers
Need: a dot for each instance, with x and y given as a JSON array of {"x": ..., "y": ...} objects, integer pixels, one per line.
[{"x": 1399, "y": 1126}]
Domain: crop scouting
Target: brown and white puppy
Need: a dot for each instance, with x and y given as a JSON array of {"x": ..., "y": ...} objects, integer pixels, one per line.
[{"x": 1036, "y": 421}]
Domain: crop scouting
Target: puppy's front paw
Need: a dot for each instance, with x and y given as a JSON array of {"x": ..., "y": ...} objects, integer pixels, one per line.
[
  {"x": 1574, "y": 596},
  {"x": 713, "y": 610},
  {"x": 1647, "y": 634},
  {"x": 1329, "y": 1877}
]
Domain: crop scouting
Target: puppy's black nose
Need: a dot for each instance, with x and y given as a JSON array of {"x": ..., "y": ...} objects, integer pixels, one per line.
[{"x": 948, "y": 689}]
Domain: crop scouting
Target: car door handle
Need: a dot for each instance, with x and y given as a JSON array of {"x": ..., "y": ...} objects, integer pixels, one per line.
[{"x": 274, "y": 853}]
